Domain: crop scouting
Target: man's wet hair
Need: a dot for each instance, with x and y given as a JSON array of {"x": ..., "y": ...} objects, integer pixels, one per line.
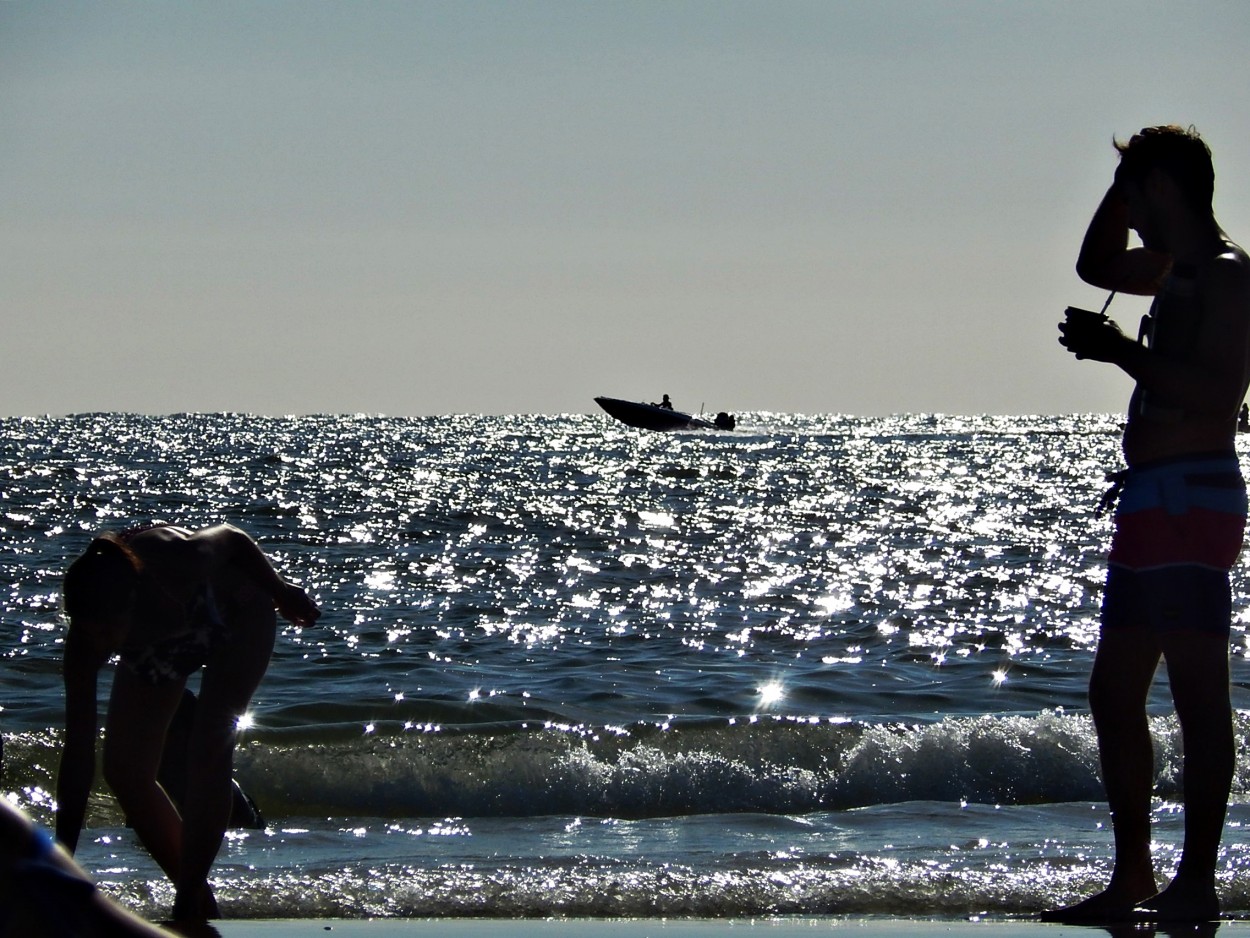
[{"x": 1177, "y": 151}]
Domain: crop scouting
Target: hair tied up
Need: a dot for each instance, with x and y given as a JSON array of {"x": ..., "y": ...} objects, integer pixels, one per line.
[{"x": 101, "y": 582}]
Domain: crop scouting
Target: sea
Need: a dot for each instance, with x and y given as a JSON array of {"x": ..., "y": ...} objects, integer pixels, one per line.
[{"x": 820, "y": 665}]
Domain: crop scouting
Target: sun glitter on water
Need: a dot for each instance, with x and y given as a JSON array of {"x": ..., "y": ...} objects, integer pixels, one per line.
[{"x": 771, "y": 693}]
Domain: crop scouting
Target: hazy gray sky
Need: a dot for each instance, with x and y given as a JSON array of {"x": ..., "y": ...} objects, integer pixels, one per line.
[{"x": 510, "y": 207}]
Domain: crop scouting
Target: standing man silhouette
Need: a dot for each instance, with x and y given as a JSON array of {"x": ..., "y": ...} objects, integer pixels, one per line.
[{"x": 1181, "y": 511}]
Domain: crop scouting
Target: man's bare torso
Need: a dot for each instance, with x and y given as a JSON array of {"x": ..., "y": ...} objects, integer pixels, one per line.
[{"x": 1160, "y": 429}]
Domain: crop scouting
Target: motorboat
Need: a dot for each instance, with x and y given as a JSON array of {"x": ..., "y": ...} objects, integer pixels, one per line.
[{"x": 657, "y": 417}]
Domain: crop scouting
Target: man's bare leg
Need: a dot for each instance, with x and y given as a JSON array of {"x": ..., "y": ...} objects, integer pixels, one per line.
[
  {"x": 1124, "y": 669},
  {"x": 1198, "y": 673}
]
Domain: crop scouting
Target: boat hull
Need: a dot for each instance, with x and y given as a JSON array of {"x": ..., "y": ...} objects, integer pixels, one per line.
[{"x": 650, "y": 417}]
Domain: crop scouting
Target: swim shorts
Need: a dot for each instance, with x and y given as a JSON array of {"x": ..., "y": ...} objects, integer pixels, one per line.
[
  {"x": 1179, "y": 525},
  {"x": 180, "y": 655}
]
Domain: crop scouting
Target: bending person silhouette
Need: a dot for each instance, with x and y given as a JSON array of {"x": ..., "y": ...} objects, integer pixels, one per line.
[{"x": 169, "y": 602}]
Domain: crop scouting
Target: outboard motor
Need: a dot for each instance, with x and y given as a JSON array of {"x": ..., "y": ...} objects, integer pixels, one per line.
[{"x": 725, "y": 421}]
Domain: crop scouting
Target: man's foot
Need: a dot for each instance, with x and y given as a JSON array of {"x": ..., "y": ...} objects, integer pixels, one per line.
[
  {"x": 1110, "y": 905},
  {"x": 1180, "y": 902}
]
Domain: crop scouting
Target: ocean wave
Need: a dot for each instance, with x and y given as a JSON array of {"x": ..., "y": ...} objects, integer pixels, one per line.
[
  {"x": 781, "y": 765},
  {"x": 766, "y": 765}
]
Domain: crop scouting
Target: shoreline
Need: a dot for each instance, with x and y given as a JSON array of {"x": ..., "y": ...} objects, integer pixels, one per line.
[{"x": 774, "y": 927}]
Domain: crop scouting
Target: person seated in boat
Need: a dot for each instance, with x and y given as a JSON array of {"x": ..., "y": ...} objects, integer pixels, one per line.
[
  {"x": 725, "y": 421},
  {"x": 665, "y": 403},
  {"x": 1243, "y": 419},
  {"x": 168, "y": 602}
]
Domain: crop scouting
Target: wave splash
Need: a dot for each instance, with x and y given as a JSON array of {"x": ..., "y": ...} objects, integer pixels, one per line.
[
  {"x": 776, "y": 766},
  {"x": 765, "y": 765}
]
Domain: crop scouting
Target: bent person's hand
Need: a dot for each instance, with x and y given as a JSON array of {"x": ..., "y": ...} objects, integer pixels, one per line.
[{"x": 295, "y": 606}]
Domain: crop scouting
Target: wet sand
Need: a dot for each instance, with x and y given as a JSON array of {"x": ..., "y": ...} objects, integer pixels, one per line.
[{"x": 705, "y": 928}]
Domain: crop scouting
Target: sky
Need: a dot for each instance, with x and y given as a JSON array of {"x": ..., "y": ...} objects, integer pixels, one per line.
[{"x": 861, "y": 207}]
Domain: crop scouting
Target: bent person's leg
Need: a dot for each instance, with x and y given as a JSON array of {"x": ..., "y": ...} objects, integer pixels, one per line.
[
  {"x": 138, "y": 719},
  {"x": 230, "y": 679}
]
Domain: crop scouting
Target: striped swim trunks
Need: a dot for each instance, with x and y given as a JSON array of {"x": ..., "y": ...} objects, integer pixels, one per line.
[{"x": 1179, "y": 525}]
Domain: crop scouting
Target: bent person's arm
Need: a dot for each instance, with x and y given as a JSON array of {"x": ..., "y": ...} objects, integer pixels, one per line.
[
  {"x": 246, "y": 556},
  {"x": 77, "y": 770}
]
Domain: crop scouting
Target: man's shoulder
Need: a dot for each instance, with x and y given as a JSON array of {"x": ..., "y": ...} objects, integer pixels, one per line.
[
  {"x": 1231, "y": 252},
  {"x": 1229, "y": 272}
]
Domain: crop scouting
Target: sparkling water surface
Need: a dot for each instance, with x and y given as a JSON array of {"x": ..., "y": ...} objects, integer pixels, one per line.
[{"x": 566, "y": 667}]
